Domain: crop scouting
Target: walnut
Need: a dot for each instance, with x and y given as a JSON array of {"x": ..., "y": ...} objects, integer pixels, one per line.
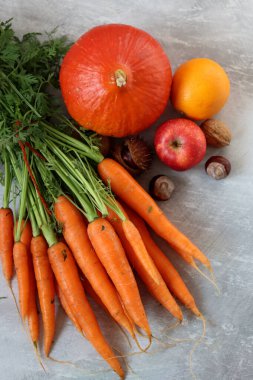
[{"x": 217, "y": 133}]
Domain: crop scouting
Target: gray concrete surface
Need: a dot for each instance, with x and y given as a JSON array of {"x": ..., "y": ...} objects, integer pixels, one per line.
[{"x": 217, "y": 216}]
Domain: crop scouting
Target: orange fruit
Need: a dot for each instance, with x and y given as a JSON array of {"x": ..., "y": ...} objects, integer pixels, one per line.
[{"x": 200, "y": 88}]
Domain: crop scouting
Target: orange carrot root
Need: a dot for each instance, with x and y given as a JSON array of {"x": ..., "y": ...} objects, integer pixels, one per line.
[
  {"x": 135, "y": 240},
  {"x": 20, "y": 256},
  {"x": 67, "y": 276},
  {"x": 159, "y": 291},
  {"x": 68, "y": 310},
  {"x": 32, "y": 314},
  {"x": 46, "y": 289},
  {"x": 168, "y": 272},
  {"x": 112, "y": 255},
  {"x": 126, "y": 187},
  {"x": 6, "y": 242},
  {"x": 75, "y": 234}
]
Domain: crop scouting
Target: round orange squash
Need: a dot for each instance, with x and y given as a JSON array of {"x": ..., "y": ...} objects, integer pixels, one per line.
[{"x": 116, "y": 80}]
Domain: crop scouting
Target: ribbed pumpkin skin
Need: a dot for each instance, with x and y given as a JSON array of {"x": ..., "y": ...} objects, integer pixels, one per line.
[{"x": 89, "y": 86}]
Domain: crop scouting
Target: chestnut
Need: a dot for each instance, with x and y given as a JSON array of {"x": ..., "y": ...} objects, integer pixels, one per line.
[
  {"x": 134, "y": 154},
  {"x": 161, "y": 187},
  {"x": 218, "y": 167}
]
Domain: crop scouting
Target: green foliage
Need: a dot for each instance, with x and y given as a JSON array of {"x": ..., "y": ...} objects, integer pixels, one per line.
[{"x": 28, "y": 66}]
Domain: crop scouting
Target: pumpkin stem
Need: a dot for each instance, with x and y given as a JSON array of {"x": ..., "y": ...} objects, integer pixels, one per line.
[{"x": 120, "y": 77}]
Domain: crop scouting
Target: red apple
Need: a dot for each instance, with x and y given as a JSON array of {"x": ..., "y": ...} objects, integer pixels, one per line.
[{"x": 180, "y": 144}]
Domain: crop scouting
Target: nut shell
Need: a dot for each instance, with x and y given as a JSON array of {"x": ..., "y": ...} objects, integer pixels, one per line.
[
  {"x": 218, "y": 167},
  {"x": 161, "y": 187},
  {"x": 216, "y": 132},
  {"x": 134, "y": 154}
]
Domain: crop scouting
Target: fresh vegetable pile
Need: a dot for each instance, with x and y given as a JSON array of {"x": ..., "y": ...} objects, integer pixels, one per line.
[{"x": 70, "y": 236}]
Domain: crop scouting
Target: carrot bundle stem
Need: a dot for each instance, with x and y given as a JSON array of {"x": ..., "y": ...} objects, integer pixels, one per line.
[
  {"x": 7, "y": 180},
  {"x": 77, "y": 174},
  {"x": 88, "y": 209},
  {"x": 23, "y": 202},
  {"x": 73, "y": 143}
]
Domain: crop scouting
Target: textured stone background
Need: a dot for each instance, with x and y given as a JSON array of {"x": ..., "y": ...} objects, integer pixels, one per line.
[{"x": 215, "y": 215}]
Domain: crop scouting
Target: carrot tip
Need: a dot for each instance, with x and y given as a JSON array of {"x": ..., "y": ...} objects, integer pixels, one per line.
[
  {"x": 149, "y": 336},
  {"x": 35, "y": 345},
  {"x": 196, "y": 311},
  {"x": 211, "y": 280},
  {"x": 196, "y": 344},
  {"x": 172, "y": 327}
]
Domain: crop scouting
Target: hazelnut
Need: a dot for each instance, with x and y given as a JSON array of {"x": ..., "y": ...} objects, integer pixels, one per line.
[
  {"x": 218, "y": 167},
  {"x": 161, "y": 187},
  {"x": 134, "y": 154},
  {"x": 216, "y": 132}
]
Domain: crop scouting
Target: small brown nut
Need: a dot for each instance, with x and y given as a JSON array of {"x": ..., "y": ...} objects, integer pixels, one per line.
[
  {"x": 218, "y": 167},
  {"x": 161, "y": 187},
  {"x": 217, "y": 133},
  {"x": 134, "y": 154}
]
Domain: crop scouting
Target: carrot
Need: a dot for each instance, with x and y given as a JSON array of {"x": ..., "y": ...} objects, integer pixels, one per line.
[
  {"x": 66, "y": 273},
  {"x": 6, "y": 242},
  {"x": 159, "y": 291},
  {"x": 20, "y": 256},
  {"x": 135, "y": 241},
  {"x": 6, "y": 222},
  {"x": 89, "y": 290},
  {"x": 168, "y": 272},
  {"x": 112, "y": 255},
  {"x": 75, "y": 234},
  {"x": 20, "y": 249},
  {"x": 68, "y": 310},
  {"x": 125, "y": 186},
  {"x": 32, "y": 314},
  {"x": 46, "y": 290}
]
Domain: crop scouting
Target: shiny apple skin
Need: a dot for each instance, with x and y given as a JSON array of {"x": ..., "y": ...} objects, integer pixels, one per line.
[{"x": 180, "y": 144}]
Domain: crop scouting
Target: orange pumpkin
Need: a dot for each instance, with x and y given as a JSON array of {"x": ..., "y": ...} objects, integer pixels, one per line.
[{"x": 116, "y": 80}]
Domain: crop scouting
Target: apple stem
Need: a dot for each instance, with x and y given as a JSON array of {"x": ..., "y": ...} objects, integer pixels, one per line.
[{"x": 176, "y": 144}]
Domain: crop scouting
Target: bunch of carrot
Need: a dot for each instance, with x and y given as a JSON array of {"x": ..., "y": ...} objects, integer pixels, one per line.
[
  {"x": 104, "y": 240},
  {"x": 70, "y": 236}
]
